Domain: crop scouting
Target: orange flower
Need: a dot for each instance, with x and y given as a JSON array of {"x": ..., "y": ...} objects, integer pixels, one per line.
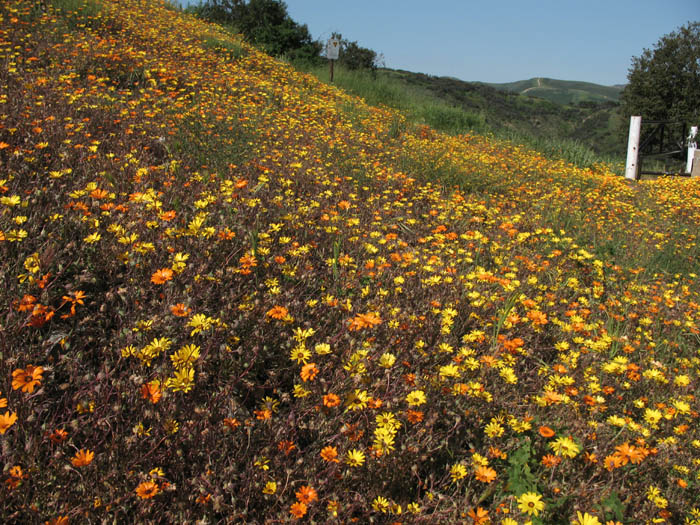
[
  {"x": 151, "y": 391},
  {"x": 231, "y": 423},
  {"x": 82, "y": 458},
  {"x": 308, "y": 372},
  {"x": 7, "y": 420},
  {"x": 364, "y": 321},
  {"x": 277, "y": 312},
  {"x": 147, "y": 489},
  {"x": 286, "y": 446},
  {"x": 546, "y": 432},
  {"x": 550, "y": 461},
  {"x": 306, "y": 494},
  {"x": 167, "y": 215},
  {"x": 330, "y": 454},
  {"x": 414, "y": 416},
  {"x": 298, "y": 509},
  {"x": 331, "y": 400},
  {"x": 58, "y": 435},
  {"x": 179, "y": 310},
  {"x": 27, "y": 379},
  {"x": 485, "y": 474},
  {"x": 162, "y": 276},
  {"x": 479, "y": 515}
]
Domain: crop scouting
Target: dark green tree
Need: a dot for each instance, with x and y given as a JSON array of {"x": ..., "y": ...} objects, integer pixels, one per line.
[
  {"x": 664, "y": 82},
  {"x": 265, "y": 23},
  {"x": 353, "y": 56}
]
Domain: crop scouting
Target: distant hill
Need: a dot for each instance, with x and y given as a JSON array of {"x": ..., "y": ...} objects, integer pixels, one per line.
[
  {"x": 590, "y": 120},
  {"x": 562, "y": 91}
]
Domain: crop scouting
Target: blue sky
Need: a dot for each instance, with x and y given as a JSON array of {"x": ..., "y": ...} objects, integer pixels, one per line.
[{"x": 501, "y": 40}]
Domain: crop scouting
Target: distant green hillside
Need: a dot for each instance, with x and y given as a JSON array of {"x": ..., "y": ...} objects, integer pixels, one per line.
[
  {"x": 562, "y": 91},
  {"x": 591, "y": 123}
]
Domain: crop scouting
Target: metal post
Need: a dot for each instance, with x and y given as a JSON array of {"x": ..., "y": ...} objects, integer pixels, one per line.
[
  {"x": 692, "y": 146},
  {"x": 633, "y": 148}
]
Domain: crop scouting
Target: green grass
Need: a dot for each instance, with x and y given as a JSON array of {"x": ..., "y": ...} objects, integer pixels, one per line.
[
  {"x": 435, "y": 105},
  {"x": 379, "y": 89}
]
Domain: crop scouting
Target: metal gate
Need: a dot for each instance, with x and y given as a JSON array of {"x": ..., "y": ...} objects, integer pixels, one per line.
[{"x": 665, "y": 140}]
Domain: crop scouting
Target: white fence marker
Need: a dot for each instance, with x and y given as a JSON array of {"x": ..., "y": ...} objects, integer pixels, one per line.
[
  {"x": 692, "y": 146},
  {"x": 633, "y": 148}
]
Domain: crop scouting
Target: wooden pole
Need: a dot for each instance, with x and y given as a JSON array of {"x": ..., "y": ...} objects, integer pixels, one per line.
[
  {"x": 331, "y": 61},
  {"x": 633, "y": 148}
]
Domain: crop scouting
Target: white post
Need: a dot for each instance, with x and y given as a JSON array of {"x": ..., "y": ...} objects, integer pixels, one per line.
[
  {"x": 692, "y": 146},
  {"x": 633, "y": 148}
]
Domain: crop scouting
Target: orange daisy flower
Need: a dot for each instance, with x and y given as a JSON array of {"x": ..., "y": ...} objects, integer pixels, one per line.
[
  {"x": 151, "y": 391},
  {"x": 298, "y": 509},
  {"x": 364, "y": 321},
  {"x": 414, "y": 416},
  {"x": 27, "y": 379},
  {"x": 179, "y": 310},
  {"x": 309, "y": 372},
  {"x": 147, "y": 490},
  {"x": 58, "y": 435},
  {"x": 485, "y": 474},
  {"x": 277, "y": 312},
  {"x": 546, "y": 432},
  {"x": 330, "y": 454},
  {"x": 306, "y": 494},
  {"x": 82, "y": 458},
  {"x": 331, "y": 400},
  {"x": 162, "y": 276},
  {"x": 7, "y": 420}
]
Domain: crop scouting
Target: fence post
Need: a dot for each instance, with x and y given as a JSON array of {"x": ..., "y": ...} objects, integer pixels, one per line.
[
  {"x": 692, "y": 146},
  {"x": 633, "y": 148}
]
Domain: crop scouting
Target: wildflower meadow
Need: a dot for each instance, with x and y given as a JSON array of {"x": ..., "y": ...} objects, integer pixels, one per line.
[{"x": 234, "y": 294}]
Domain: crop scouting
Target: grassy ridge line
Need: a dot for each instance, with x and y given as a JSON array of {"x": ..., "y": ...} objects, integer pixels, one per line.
[{"x": 231, "y": 276}]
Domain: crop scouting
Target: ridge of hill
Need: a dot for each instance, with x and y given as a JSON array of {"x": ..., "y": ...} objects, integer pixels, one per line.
[
  {"x": 234, "y": 294},
  {"x": 562, "y": 91}
]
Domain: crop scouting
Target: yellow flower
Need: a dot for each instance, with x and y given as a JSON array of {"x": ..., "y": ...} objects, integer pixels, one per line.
[
  {"x": 458, "y": 471},
  {"x": 355, "y": 458},
  {"x": 183, "y": 380},
  {"x": 585, "y": 519},
  {"x": 531, "y": 503},
  {"x": 565, "y": 446},
  {"x": 270, "y": 487},
  {"x": 416, "y": 398}
]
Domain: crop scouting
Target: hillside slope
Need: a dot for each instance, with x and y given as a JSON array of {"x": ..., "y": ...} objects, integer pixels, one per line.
[
  {"x": 235, "y": 294},
  {"x": 593, "y": 124},
  {"x": 562, "y": 91}
]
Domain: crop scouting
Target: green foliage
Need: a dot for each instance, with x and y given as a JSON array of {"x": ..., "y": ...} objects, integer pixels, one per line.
[
  {"x": 520, "y": 476},
  {"x": 232, "y": 50},
  {"x": 265, "y": 23},
  {"x": 664, "y": 82},
  {"x": 353, "y": 56}
]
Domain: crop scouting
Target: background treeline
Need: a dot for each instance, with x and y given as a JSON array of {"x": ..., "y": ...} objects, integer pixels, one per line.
[{"x": 267, "y": 24}]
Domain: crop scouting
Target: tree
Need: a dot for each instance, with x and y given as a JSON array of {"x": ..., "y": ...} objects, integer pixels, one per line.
[
  {"x": 664, "y": 83},
  {"x": 354, "y": 56},
  {"x": 265, "y": 23}
]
